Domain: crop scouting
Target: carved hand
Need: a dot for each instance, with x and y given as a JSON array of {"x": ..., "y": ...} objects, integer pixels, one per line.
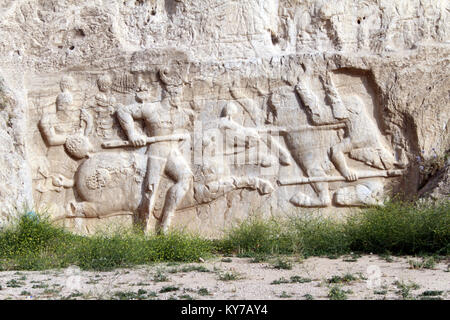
[
  {"x": 57, "y": 181},
  {"x": 138, "y": 140},
  {"x": 62, "y": 182},
  {"x": 351, "y": 176}
]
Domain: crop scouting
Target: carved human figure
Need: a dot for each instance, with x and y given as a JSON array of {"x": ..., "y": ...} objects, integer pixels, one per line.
[
  {"x": 240, "y": 139},
  {"x": 104, "y": 108},
  {"x": 308, "y": 149},
  {"x": 362, "y": 140},
  {"x": 60, "y": 129},
  {"x": 256, "y": 115},
  {"x": 362, "y": 132},
  {"x": 216, "y": 174},
  {"x": 163, "y": 157},
  {"x": 66, "y": 121}
]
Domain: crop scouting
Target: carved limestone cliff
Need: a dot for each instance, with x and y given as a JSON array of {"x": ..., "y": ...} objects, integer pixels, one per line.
[{"x": 197, "y": 114}]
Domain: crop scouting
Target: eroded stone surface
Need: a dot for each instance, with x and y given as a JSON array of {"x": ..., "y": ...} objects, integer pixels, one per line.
[{"x": 197, "y": 114}]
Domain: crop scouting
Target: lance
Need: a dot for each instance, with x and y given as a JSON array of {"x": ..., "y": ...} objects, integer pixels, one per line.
[
  {"x": 302, "y": 128},
  {"x": 361, "y": 175},
  {"x": 126, "y": 143}
]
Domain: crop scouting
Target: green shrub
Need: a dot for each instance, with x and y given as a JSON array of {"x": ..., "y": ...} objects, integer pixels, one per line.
[
  {"x": 401, "y": 228},
  {"x": 395, "y": 228},
  {"x": 306, "y": 235},
  {"x": 257, "y": 236},
  {"x": 33, "y": 243},
  {"x": 317, "y": 236}
]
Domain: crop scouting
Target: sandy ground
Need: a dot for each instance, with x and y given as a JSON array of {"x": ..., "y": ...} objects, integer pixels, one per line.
[{"x": 368, "y": 277}]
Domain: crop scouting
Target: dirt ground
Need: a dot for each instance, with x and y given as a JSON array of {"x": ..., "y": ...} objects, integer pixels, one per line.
[{"x": 230, "y": 278}]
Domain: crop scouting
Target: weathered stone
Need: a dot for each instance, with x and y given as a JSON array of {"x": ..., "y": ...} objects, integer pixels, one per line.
[
  {"x": 197, "y": 114},
  {"x": 438, "y": 186}
]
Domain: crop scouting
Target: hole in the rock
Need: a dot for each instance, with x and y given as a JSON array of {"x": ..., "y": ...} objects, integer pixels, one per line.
[
  {"x": 80, "y": 33},
  {"x": 72, "y": 47},
  {"x": 359, "y": 21},
  {"x": 275, "y": 39}
]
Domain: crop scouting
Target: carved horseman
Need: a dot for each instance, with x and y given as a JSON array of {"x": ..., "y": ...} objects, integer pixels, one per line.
[
  {"x": 164, "y": 157},
  {"x": 362, "y": 142}
]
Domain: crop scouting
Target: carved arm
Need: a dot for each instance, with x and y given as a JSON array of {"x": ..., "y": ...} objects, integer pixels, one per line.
[
  {"x": 310, "y": 101},
  {"x": 52, "y": 138},
  {"x": 125, "y": 115},
  {"x": 87, "y": 118},
  {"x": 337, "y": 106}
]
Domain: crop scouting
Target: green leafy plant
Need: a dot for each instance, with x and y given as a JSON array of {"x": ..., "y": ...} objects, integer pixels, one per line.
[
  {"x": 282, "y": 264},
  {"x": 342, "y": 279},
  {"x": 229, "y": 276},
  {"x": 405, "y": 288},
  {"x": 203, "y": 292},
  {"x": 168, "y": 289},
  {"x": 337, "y": 293}
]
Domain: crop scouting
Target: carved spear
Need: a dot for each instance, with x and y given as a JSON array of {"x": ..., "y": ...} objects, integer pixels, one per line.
[
  {"x": 361, "y": 175},
  {"x": 126, "y": 143},
  {"x": 302, "y": 128}
]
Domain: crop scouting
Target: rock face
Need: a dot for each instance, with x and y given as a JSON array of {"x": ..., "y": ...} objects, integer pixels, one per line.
[
  {"x": 438, "y": 186},
  {"x": 15, "y": 176},
  {"x": 197, "y": 114}
]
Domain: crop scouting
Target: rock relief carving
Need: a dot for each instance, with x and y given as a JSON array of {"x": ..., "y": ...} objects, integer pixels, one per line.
[
  {"x": 163, "y": 156},
  {"x": 216, "y": 173},
  {"x": 63, "y": 130},
  {"x": 104, "y": 108},
  {"x": 361, "y": 141},
  {"x": 110, "y": 182},
  {"x": 146, "y": 173}
]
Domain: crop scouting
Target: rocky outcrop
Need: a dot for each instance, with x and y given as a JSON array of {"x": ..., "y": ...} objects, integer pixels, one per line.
[
  {"x": 15, "y": 178},
  {"x": 438, "y": 186}
]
